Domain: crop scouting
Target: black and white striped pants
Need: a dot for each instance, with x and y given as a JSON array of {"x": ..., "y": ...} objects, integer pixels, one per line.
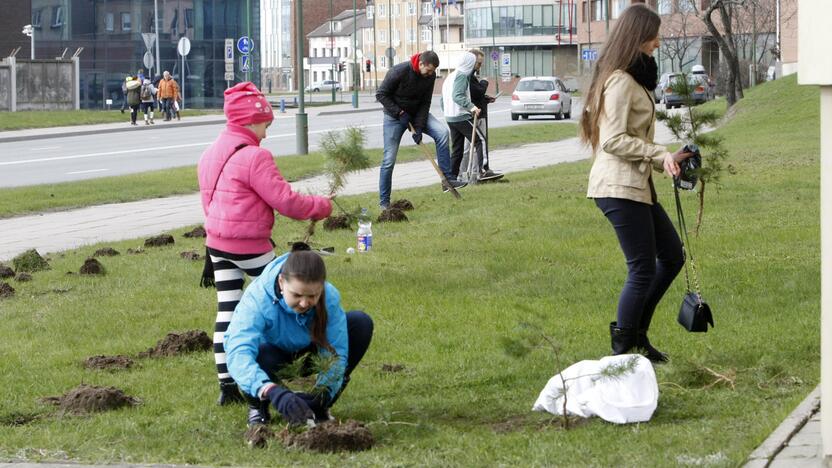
[{"x": 228, "y": 276}]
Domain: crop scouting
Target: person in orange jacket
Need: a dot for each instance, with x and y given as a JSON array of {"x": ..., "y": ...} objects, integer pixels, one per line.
[{"x": 168, "y": 93}]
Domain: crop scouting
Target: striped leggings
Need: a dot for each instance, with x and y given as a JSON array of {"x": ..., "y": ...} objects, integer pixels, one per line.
[{"x": 228, "y": 276}]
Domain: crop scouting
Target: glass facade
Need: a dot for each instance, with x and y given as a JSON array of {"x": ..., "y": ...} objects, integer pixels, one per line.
[
  {"x": 527, "y": 20},
  {"x": 110, "y": 31}
]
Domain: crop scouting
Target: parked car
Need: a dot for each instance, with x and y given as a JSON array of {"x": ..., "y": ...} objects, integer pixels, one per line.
[
  {"x": 541, "y": 95},
  {"x": 664, "y": 91},
  {"x": 699, "y": 72},
  {"x": 325, "y": 85}
]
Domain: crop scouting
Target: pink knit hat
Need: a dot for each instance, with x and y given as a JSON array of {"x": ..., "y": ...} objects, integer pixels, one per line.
[{"x": 246, "y": 105}]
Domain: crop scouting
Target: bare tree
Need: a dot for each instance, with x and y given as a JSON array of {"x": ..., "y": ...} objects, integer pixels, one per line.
[
  {"x": 724, "y": 37},
  {"x": 677, "y": 44}
]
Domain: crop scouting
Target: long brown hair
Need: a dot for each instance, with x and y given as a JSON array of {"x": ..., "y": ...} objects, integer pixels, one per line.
[
  {"x": 309, "y": 267},
  {"x": 636, "y": 25}
]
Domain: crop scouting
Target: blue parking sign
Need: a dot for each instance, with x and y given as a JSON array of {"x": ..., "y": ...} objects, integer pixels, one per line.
[{"x": 245, "y": 45}]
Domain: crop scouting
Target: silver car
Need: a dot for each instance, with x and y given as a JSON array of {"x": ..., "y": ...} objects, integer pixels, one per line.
[{"x": 541, "y": 95}]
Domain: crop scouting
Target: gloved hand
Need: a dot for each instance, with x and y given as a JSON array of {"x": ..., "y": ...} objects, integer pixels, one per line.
[
  {"x": 417, "y": 137},
  {"x": 318, "y": 403},
  {"x": 404, "y": 118},
  {"x": 292, "y": 407}
]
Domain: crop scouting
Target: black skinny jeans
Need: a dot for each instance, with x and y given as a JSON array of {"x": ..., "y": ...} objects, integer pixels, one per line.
[{"x": 653, "y": 252}]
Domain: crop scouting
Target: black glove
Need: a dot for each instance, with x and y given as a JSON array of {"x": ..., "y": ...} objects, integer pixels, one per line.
[
  {"x": 417, "y": 137},
  {"x": 404, "y": 118},
  {"x": 318, "y": 403},
  {"x": 292, "y": 407}
]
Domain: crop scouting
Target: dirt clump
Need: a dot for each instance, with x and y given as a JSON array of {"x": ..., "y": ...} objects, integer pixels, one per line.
[
  {"x": 180, "y": 343},
  {"x": 258, "y": 435},
  {"x": 6, "y": 290},
  {"x": 23, "y": 277},
  {"x": 18, "y": 419},
  {"x": 136, "y": 251},
  {"x": 108, "y": 362},
  {"x": 191, "y": 255},
  {"x": 85, "y": 399},
  {"x": 402, "y": 204},
  {"x": 198, "y": 231},
  {"x": 92, "y": 266},
  {"x": 106, "y": 252},
  {"x": 392, "y": 368},
  {"x": 6, "y": 271},
  {"x": 337, "y": 222},
  {"x": 392, "y": 215},
  {"x": 30, "y": 261},
  {"x": 331, "y": 436},
  {"x": 159, "y": 241}
]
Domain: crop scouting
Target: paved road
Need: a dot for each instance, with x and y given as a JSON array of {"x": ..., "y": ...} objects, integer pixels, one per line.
[{"x": 74, "y": 158}]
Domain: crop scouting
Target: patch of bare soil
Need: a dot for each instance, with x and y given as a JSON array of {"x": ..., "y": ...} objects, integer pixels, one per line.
[
  {"x": 331, "y": 436},
  {"x": 337, "y": 222},
  {"x": 198, "y": 231},
  {"x": 6, "y": 271},
  {"x": 18, "y": 419},
  {"x": 392, "y": 215},
  {"x": 180, "y": 343},
  {"x": 191, "y": 255},
  {"x": 23, "y": 277},
  {"x": 6, "y": 290},
  {"x": 108, "y": 362},
  {"x": 258, "y": 436},
  {"x": 85, "y": 399},
  {"x": 92, "y": 266},
  {"x": 106, "y": 252},
  {"x": 402, "y": 204},
  {"x": 30, "y": 261},
  {"x": 159, "y": 241},
  {"x": 392, "y": 368}
]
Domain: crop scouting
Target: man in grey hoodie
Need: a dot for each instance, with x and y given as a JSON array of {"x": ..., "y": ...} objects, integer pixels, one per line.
[{"x": 458, "y": 109}]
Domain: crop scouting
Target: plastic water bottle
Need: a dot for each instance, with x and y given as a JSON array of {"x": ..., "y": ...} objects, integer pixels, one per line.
[{"x": 365, "y": 232}]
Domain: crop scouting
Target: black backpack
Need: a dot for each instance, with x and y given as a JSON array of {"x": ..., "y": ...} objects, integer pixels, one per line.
[{"x": 145, "y": 95}]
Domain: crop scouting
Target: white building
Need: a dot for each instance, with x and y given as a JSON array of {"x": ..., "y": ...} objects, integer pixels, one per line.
[
  {"x": 330, "y": 55},
  {"x": 276, "y": 44}
]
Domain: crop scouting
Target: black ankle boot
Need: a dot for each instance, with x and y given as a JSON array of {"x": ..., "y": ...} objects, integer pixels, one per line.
[
  {"x": 651, "y": 353},
  {"x": 258, "y": 411},
  {"x": 229, "y": 394},
  {"x": 623, "y": 339}
]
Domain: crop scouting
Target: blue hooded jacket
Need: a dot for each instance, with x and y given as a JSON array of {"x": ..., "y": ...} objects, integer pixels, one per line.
[{"x": 262, "y": 316}]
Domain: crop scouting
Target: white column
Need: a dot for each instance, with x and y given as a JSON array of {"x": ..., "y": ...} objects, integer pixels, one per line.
[{"x": 826, "y": 270}]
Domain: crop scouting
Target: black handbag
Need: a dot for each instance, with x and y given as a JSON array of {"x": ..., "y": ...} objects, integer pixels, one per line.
[{"x": 694, "y": 313}]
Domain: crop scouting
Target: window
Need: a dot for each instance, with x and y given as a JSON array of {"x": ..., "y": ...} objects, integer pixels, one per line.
[
  {"x": 109, "y": 22},
  {"x": 57, "y": 16},
  {"x": 314, "y": 52},
  {"x": 189, "y": 18},
  {"x": 427, "y": 9},
  {"x": 411, "y": 8},
  {"x": 618, "y": 7},
  {"x": 426, "y": 34},
  {"x": 315, "y": 77},
  {"x": 382, "y": 10},
  {"x": 665, "y": 7},
  {"x": 395, "y": 13},
  {"x": 337, "y": 26},
  {"x": 396, "y": 38},
  {"x": 599, "y": 10},
  {"x": 37, "y": 17},
  {"x": 411, "y": 36},
  {"x": 126, "y": 23},
  {"x": 686, "y": 6},
  {"x": 383, "y": 61},
  {"x": 382, "y": 36},
  {"x": 370, "y": 11}
]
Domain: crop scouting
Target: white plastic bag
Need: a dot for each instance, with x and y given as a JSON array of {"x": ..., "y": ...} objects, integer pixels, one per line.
[
  {"x": 176, "y": 106},
  {"x": 631, "y": 397}
]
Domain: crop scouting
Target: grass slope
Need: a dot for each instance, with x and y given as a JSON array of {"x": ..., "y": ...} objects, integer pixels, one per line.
[
  {"x": 443, "y": 290},
  {"x": 43, "y": 119}
]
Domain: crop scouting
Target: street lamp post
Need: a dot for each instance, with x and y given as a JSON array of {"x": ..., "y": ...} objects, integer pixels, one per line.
[
  {"x": 301, "y": 122},
  {"x": 354, "y": 57},
  {"x": 29, "y": 30},
  {"x": 494, "y": 48}
]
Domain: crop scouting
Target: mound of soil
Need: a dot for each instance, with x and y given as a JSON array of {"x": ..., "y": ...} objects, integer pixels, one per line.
[
  {"x": 180, "y": 343},
  {"x": 191, "y": 255},
  {"x": 30, "y": 261},
  {"x": 196, "y": 232},
  {"x": 403, "y": 204},
  {"x": 92, "y": 266},
  {"x": 6, "y": 290},
  {"x": 106, "y": 252},
  {"x": 258, "y": 436},
  {"x": 392, "y": 368},
  {"x": 392, "y": 215},
  {"x": 337, "y": 222},
  {"x": 135, "y": 251},
  {"x": 331, "y": 436},
  {"x": 6, "y": 271},
  {"x": 159, "y": 241},
  {"x": 85, "y": 399},
  {"x": 23, "y": 277},
  {"x": 108, "y": 362}
]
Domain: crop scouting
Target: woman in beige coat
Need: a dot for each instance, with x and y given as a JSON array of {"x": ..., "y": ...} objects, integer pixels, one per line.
[{"x": 619, "y": 122}]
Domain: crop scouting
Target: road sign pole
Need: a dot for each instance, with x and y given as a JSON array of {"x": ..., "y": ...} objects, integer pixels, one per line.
[
  {"x": 183, "y": 83},
  {"x": 301, "y": 123}
]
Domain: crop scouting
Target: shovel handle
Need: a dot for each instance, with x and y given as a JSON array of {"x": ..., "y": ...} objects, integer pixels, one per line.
[{"x": 436, "y": 166}]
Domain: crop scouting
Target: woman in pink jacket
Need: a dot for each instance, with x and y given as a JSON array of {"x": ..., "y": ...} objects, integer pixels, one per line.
[{"x": 241, "y": 188}]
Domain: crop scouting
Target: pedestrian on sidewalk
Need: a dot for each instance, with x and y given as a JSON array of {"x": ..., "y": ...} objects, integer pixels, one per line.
[
  {"x": 168, "y": 93},
  {"x": 124, "y": 105},
  {"x": 241, "y": 188},
  {"x": 289, "y": 312},
  {"x": 406, "y": 93},
  {"x": 148, "y": 91},
  {"x": 458, "y": 109},
  {"x": 480, "y": 98},
  {"x": 134, "y": 98},
  {"x": 619, "y": 123}
]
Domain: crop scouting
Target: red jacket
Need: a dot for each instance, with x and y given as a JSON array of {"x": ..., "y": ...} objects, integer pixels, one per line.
[{"x": 238, "y": 210}]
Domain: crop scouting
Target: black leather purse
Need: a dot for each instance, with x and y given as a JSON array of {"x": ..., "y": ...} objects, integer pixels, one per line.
[{"x": 694, "y": 313}]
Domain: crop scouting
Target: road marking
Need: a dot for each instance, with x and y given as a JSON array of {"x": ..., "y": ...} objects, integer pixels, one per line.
[
  {"x": 87, "y": 172},
  {"x": 46, "y": 148}
]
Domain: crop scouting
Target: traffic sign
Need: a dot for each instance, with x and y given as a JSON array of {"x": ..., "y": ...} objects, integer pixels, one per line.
[
  {"x": 495, "y": 55},
  {"x": 229, "y": 51},
  {"x": 229, "y": 67},
  {"x": 229, "y": 76},
  {"x": 245, "y": 45},
  {"x": 505, "y": 67},
  {"x": 148, "y": 60},
  {"x": 589, "y": 54},
  {"x": 184, "y": 46},
  {"x": 149, "y": 40},
  {"x": 245, "y": 63}
]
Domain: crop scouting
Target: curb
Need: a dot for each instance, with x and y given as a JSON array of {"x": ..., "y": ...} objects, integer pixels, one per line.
[
  {"x": 350, "y": 111},
  {"x": 45, "y": 136},
  {"x": 762, "y": 455}
]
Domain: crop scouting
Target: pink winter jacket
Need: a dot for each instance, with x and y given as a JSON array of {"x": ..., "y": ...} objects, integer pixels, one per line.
[{"x": 240, "y": 217}]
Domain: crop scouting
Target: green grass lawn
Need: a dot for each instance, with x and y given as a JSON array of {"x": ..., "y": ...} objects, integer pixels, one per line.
[
  {"x": 48, "y": 197},
  {"x": 44, "y": 119},
  {"x": 443, "y": 290}
]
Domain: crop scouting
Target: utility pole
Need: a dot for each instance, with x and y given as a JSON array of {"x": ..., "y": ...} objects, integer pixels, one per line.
[
  {"x": 494, "y": 48},
  {"x": 331, "y": 53},
  {"x": 375, "y": 55},
  {"x": 354, "y": 57},
  {"x": 389, "y": 34},
  {"x": 607, "y": 17},
  {"x": 156, "y": 23},
  {"x": 248, "y": 34},
  {"x": 301, "y": 123}
]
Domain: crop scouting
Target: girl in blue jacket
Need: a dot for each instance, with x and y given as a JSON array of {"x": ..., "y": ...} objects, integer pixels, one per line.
[{"x": 288, "y": 311}]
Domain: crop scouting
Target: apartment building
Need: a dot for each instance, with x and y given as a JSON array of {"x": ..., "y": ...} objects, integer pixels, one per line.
[{"x": 331, "y": 55}]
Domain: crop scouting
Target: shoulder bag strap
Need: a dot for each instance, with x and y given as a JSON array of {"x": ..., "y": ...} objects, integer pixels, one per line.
[
  {"x": 217, "y": 180},
  {"x": 686, "y": 251}
]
